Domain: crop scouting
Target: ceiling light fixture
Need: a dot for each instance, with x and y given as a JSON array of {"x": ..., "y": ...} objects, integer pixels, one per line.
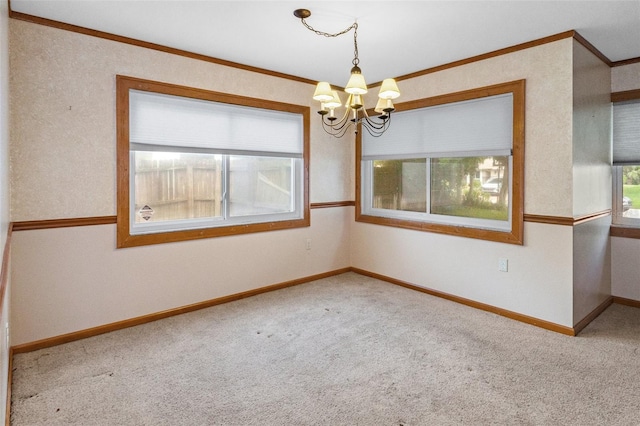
[{"x": 355, "y": 113}]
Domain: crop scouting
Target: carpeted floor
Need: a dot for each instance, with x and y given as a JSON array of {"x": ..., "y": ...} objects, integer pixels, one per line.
[{"x": 346, "y": 350}]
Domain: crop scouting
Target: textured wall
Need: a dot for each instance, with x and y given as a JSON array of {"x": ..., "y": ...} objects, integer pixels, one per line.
[
  {"x": 4, "y": 194},
  {"x": 4, "y": 124},
  {"x": 591, "y": 180},
  {"x": 591, "y": 133},
  {"x": 63, "y": 119},
  {"x": 547, "y": 69},
  {"x": 625, "y": 78}
]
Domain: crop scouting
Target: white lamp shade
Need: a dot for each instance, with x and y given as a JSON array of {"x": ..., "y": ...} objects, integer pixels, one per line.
[
  {"x": 382, "y": 105},
  {"x": 356, "y": 85},
  {"x": 355, "y": 101},
  {"x": 389, "y": 89},
  {"x": 335, "y": 101},
  {"x": 323, "y": 92}
]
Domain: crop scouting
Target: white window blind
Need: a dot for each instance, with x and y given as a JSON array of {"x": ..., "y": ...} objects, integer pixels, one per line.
[
  {"x": 460, "y": 129},
  {"x": 626, "y": 132},
  {"x": 174, "y": 122}
]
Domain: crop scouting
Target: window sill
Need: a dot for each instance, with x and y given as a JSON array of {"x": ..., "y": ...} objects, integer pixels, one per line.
[
  {"x": 126, "y": 240},
  {"x": 511, "y": 237}
]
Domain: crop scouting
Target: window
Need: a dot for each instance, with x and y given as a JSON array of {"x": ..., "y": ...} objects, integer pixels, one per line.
[
  {"x": 451, "y": 164},
  {"x": 197, "y": 164},
  {"x": 626, "y": 162}
]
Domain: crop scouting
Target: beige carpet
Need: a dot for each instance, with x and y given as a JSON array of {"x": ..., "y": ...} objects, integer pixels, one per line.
[{"x": 346, "y": 350}]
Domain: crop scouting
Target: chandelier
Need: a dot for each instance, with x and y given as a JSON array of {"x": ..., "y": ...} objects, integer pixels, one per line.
[{"x": 355, "y": 112}]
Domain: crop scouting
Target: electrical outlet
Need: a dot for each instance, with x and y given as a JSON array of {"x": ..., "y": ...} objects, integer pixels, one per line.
[
  {"x": 503, "y": 264},
  {"x": 308, "y": 244}
]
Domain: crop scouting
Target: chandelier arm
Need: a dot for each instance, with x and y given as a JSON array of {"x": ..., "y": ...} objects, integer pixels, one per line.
[
  {"x": 373, "y": 132},
  {"x": 337, "y": 132},
  {"x": 376, "y": 131},
  {"x": 337, "y": 129},
  {"x": 383, "y": 124},
  {"x": 344, "y": 131},
  {"x": 337, "y": 125},
  {"x": 376, "y": 125}
]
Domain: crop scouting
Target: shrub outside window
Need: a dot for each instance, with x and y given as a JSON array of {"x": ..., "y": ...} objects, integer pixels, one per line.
[
  {"x": 451, "y": 164},
  {"x": 198, "y": 164}
]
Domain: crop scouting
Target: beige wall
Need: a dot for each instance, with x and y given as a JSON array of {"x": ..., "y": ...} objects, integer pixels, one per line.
[
  {"x": 64, "y": 166},
  {"x": 591, "y": 266},
  {"x": 539, "y": 280},
  {"x": 538, "y": 283},
  {"x": 625, "y": 268},
  {"x": 80, "y": 280},
  {"x": 625, "y": 78},
  {"x": 4, "y": 124},
  {"x": 625, "y": 252},
  {"x": 591, "y": 133},
  {"x": 591, "y": 180},
  {"x": 4, "y": 196}
]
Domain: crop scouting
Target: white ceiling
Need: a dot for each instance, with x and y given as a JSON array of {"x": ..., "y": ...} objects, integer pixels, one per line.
[{"x": 394, "y": 37}]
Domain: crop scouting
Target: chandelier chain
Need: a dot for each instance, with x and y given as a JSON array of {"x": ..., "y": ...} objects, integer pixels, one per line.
[
  {"x": 353, "y": 27},
  {"x": 355, "y": 61}
]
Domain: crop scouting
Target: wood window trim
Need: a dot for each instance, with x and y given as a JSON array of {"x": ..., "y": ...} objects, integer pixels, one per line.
[
  {"x": 627, "y": 95},
  {"x": 624, "y": 230},
  {"x": 515, "y": 235},
  {"x": 124, "y": 237}
]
